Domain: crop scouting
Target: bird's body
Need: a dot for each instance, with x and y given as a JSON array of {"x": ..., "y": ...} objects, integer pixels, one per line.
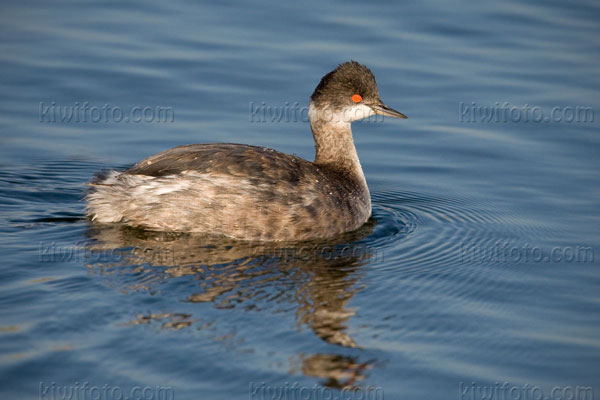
[
  {"x": 234, "y": 190},
  {"x": 250, "y": 192}
]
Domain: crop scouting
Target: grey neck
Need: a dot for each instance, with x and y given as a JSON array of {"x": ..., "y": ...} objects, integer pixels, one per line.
[{"x": 334, "y": 144}]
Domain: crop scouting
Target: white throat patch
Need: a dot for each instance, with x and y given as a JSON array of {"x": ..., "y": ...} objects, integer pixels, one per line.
[{"x": 343, "y": 117}]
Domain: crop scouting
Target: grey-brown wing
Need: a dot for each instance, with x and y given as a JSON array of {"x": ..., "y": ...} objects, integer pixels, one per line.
[
  {"x": 199, "y": 157},
  {"x": 231, "y": 159}
]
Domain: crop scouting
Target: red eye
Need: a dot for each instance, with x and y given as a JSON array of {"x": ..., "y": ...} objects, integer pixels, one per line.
[{"x": 357, "y": 98}]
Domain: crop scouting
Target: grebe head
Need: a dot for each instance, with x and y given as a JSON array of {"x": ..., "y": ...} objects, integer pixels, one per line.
[{"x": 346, "y": 94}]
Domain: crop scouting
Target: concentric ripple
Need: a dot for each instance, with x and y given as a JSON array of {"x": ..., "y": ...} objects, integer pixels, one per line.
[{"x": 424, "y": 231}]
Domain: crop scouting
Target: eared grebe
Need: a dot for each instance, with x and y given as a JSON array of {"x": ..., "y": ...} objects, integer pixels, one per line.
[{"x": 250, "y": 192}]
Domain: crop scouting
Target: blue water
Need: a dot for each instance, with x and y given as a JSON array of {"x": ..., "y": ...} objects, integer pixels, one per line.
[{"x": 480, "y": 266}]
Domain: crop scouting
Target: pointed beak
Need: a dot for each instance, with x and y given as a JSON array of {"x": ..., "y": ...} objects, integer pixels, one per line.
[{"x": 382, "y": 109}]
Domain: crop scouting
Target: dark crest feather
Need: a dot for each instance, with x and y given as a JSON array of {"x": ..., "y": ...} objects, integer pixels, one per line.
[{"x": 337, "y": 87}]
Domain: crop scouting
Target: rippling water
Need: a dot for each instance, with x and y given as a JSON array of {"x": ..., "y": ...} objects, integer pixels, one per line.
[{"x": 479, "y": 266}]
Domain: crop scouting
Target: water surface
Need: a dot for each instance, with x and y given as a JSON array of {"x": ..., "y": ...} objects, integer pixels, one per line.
[{"x": 479, "y": 267}]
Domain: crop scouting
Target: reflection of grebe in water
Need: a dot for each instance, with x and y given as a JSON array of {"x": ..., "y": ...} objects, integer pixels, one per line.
[
  {"x": 254, "y": 276},
  {"x": 250, "y": 192}
]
